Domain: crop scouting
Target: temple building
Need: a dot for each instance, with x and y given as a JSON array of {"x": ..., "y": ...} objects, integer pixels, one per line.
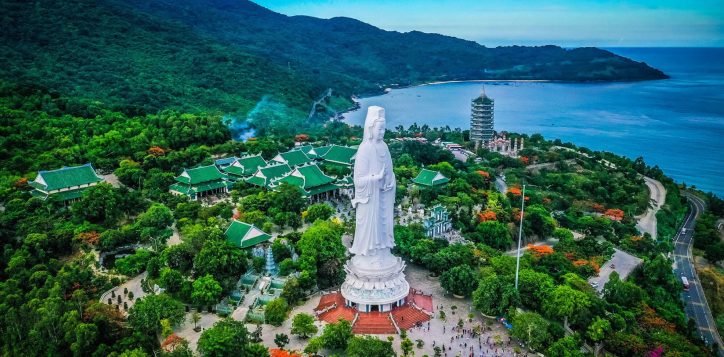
[
  {"x": 430, "y": 178},
  {"x": 244, "y": 166},
  {"x": 315, "y": 185},
  {"x": 505, "y": 146},
  {"x": 309, "y": 150},
  {"x": 200, "y": 182},
  {"x": 224, "y": 162},
  {"x": 437, "y": 222},
  {"x": 346, "y": 185},
  {"x": 65, "y": 184},
  {"x": 264, "y": 176},
  {"x": 244, "y": 235},
  {"x": 336, "y": 154},
  {"x": 292, "y": 158},
  {"x": 481, "y": 120}
]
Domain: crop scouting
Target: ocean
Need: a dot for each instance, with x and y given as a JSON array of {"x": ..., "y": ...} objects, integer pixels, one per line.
[{"x": 677, "y": 123}]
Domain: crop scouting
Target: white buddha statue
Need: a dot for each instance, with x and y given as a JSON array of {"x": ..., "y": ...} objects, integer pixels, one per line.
[
  {"x": 375, "y": 278},
  {"x": 374, "y": 189}
]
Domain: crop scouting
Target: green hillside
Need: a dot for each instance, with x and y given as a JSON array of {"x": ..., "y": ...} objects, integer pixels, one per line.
[
  {"x": 225, "y": 56},
  {"x": 352, "y": 53},
  {"x": 134, "y": 62}
]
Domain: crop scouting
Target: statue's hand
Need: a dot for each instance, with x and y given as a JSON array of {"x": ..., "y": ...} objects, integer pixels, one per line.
[{"x": 380, "y": 175}]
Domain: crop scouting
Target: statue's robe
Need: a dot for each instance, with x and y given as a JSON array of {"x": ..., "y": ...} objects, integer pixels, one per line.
[{"x": 374, "y": 200}]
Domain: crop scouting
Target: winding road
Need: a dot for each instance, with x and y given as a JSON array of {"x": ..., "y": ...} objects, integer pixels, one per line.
[
  {"x": 696, "y": 306},
  {"x": 646, "y": 223}
]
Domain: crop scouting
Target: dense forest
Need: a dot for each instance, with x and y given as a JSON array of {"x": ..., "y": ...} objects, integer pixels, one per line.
[{"x": 226, "y": 56}]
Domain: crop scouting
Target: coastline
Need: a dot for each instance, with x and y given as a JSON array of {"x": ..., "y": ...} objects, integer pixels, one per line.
[
  {"x": 357, "y": 99},
  {"x": 487, "y": 80},
  {"x": 629, "y": 119}
]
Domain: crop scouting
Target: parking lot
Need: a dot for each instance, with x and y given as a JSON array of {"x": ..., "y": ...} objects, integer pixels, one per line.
[{"x": 623, "y": 263}]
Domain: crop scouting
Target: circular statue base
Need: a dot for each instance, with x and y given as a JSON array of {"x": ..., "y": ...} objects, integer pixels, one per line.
[{"x": 375, "y": 282}]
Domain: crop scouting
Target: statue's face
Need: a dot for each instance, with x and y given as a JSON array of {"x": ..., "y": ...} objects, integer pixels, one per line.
[{"x": 378, "y": 131}]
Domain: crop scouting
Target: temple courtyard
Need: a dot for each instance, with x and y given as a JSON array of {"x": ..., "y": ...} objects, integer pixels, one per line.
[{"x": 494, "y": 339}]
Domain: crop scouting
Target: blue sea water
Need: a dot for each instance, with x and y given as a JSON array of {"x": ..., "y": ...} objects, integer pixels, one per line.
[{"x": 677, "y": 124}]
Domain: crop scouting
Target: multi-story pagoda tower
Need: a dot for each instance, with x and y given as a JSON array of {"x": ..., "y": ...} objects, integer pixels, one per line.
[{"x": 481, "y": 120}]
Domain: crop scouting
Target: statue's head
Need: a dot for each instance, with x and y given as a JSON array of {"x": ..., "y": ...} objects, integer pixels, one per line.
[{"x": 374, "y": 129}]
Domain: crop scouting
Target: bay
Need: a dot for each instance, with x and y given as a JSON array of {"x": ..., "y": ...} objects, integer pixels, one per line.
[{"x": 677, "y": 124}]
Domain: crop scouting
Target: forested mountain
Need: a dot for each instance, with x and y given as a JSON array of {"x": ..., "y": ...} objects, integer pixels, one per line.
[
  {"x": 134, "y": 62},
  {"x": 344, "y": 48},
  {"x": 141, "y": 56}
]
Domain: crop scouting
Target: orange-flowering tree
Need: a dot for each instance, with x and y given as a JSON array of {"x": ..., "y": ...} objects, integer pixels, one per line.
[
  {"x": 652, "y": 321},
  {"x": 172, "y": 341},
  {"x": 487, "y": 215},
  {"x": 515, "y": 190},
  {"x": 483, "y": 173},
  {"x": 91, "y": 237},
  {"x": 21, "y": 182},
  {"x": 614, "y": 214},
  {"x": 278, "y": 352},
  {"x": 301, "y": 137},
  {"x": 598, "y": 207},
  {"x": 156, "y": 151},
  {"x": 525, "y": 160},
  {"x": 540, "y": 250}
]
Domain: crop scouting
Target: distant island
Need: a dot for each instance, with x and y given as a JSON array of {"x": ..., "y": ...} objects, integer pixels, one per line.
[{"x": 223, "y": 56}]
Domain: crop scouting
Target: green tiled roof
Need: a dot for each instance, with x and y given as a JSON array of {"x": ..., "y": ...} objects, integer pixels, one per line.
[
  {"x": 244, "y": 235},
  {"x": 340, "y": 154},
  {"x": 307, "y": 177},
  {"x": 67, "y": 195},
  {"x": 346, "y": 181},
  {"x": 309, "y": 150},
  {"x": 185, "y": 189},
  {"x": 36, "y": 193},
  {"x": 59, "y": 196},
  {"x": 65, "y": 177},
  {"x": 293, "y": 158},
  {"x": 322, "y": 150},
  {"x": 430, "y": 178},
  {"x": 245, "y": 166},
  {"x": 208, "y": 186},
  {"x": 200, "y": 174},
  {"x": 292, "y": 180},
  {"x": 256, "y": 180},
  {"x": 313, "y": 176},
  {"x": 321, "y": 189},
  {"x": 310, "y": 179},
  {"x": 264, "y": 175},
  {"x": 234, "y": 170}
]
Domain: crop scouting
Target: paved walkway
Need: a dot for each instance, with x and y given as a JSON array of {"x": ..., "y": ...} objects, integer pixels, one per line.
[
  {"x": 175, "y": 238},
  {"x": 657, "y": 193},
  {"x": 112, "y": 179},
  {"x": 500, "y": 184},
  {"x": 546, "y": 165},
  {"x": 439, "y": 331},
  {"x": 133, "y": 285},
  {"x": 186, "y": 328}
]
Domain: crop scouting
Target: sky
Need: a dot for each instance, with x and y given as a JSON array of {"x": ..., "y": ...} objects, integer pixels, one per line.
[{"x": 604, "y": 23}]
